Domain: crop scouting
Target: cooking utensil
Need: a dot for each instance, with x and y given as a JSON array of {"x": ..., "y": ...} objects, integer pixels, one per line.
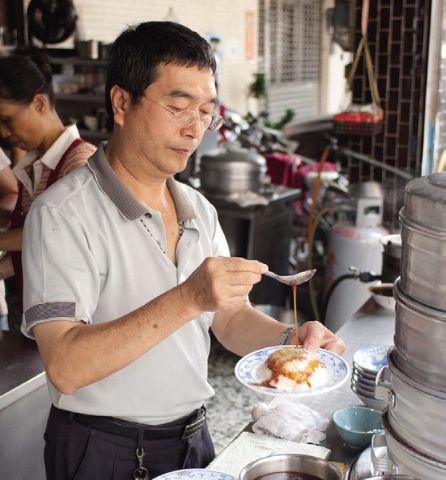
[
  {"x": 292, "y": 280},
  {"x": 290, "y": 463},
  {"x": 404, "y": 459},
  {"x": 423, "y": 220},
  {"x": 420, "y": 340},
  {"x": 417, "y": 415},
  {"x": 232, "y": 171}
]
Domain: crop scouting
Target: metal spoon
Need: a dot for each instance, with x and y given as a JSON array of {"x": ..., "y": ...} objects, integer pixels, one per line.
[{"x": 292, "y": 280}]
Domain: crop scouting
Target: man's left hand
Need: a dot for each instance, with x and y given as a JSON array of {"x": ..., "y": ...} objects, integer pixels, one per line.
[{"x": 314, "y": 335}]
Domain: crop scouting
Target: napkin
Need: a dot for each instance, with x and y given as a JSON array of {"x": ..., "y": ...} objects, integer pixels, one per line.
[
  {"x": 248, "y": 447},
  {"x": 289, "y": 420}
]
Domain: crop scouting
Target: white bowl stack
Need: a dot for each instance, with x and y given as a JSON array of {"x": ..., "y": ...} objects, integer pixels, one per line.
[{"x": 367, "y": 362}]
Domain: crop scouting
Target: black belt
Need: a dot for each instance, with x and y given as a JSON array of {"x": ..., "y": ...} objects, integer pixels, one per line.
[{"x": 183, "y": 428}]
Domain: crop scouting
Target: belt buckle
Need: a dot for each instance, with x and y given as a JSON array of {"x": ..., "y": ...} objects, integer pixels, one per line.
[{"x": 193, "y": 428}]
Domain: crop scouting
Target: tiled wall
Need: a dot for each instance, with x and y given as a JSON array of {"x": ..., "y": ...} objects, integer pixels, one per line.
[{"x": 397, "y": 36}]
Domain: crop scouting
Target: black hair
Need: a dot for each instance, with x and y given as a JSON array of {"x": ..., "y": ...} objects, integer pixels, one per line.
[
  {"x": 139, "y": 50},
  {"x": 24, "y": 74}
]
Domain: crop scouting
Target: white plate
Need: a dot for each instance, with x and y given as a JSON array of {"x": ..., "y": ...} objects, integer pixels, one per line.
[
  {"x": 246, "y": 368},
  {"x": 195, "y": 474},
  {"x": 371, "y": 360}
]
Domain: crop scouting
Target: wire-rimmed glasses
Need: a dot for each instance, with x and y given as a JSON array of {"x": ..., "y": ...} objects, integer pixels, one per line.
[{"x": 186, "y": 118}]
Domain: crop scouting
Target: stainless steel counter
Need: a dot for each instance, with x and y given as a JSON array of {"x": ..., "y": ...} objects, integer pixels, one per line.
[
  {"x": 24, "y": 407},
  {"x": 371, "y": 326}
]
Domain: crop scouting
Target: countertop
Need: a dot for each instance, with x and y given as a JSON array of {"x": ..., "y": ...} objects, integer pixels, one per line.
[{"x": 21, "y": 369}]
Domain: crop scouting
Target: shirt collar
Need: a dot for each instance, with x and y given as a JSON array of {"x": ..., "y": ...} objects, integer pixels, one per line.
[
  {"x": 123, "y": 198},
  {"x": 54, "y": 154}
]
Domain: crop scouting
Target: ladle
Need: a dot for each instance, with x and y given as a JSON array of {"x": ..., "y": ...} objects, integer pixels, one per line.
[{"x": 292, "y": 280}]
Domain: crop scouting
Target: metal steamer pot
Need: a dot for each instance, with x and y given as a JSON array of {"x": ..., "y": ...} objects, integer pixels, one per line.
[
  {"x": 415, "y": 413},
  {"x": 233, "y": 171},
  {"x": 290, "y": 463},
  {"x": 423, "y": 258},
  {"x": 420, "y": 341},
  {"x": 392, "y": 476},
  {"x": 403, "y": 459}
]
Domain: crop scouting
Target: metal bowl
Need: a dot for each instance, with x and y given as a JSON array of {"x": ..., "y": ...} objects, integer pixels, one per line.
[{"x": 290, "y": 463}]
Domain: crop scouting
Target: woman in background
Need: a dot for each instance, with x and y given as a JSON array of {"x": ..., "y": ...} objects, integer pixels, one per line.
[{"x": 30, "y": 122}]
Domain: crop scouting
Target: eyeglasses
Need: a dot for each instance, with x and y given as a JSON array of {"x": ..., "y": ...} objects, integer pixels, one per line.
[{"x": 186, "y": 118}]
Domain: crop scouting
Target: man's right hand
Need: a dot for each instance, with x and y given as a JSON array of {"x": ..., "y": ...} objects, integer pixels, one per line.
[{"x": 222, "y": 282}]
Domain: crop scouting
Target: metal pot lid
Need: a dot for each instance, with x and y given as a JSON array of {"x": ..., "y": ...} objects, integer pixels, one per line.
[
  {"x": 241, "y": 155},
  {"x": 425, "y": 202}
]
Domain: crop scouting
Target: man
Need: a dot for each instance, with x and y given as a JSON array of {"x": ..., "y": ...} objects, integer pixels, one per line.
[{"x": 126, "y": 270}]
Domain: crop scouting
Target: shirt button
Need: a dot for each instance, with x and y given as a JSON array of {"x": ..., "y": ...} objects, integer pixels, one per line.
[{"x": 148, "y": 215}]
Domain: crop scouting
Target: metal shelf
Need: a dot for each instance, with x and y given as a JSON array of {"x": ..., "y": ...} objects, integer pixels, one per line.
[
  {"x": 79, "y": 97},
  {"x": 78, "y": 61}
]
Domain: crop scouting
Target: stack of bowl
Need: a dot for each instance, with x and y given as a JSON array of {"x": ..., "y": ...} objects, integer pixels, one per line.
[
  {"x": 414, "y": 383},
  {"x": 367, "y": 362}
]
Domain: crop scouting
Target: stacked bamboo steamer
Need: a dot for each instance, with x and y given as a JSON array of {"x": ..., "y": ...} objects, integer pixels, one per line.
[{"x": 414, "y": 383}]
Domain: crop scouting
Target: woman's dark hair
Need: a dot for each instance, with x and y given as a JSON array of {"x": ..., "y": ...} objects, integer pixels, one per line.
[
  {"x": 23, "y": 74},
  {"x": 139, "y": 50}
]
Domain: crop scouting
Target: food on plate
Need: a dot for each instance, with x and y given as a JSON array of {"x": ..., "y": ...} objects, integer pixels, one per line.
[{"x": 292, "y": 369}]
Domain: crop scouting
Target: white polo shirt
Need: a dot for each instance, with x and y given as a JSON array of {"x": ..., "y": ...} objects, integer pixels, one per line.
[{"x": 87, "y": 255}]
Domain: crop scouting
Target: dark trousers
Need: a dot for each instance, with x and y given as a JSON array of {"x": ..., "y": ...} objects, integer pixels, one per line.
[{"x": 78, "y": 452}]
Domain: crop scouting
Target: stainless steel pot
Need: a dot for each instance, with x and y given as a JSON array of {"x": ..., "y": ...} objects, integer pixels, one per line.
[
  {"x": 423, "y": 258},
  {"x": 392, "y": 476},
  {"x": 423, "y": 264},
  {"x": 291, "y": 463},
  {"x": 414, "y": 414},
  {"x": 420, "y": 341},
  {"x": 406, "y": 460},
  {"x": 234, "y": 171}
]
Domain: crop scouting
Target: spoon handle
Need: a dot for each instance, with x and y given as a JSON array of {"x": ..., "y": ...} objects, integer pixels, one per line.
[{"x": 272, "y": 275}]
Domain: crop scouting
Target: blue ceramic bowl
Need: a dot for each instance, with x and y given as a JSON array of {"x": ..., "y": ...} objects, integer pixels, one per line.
[{"x": 357, "y": 425}]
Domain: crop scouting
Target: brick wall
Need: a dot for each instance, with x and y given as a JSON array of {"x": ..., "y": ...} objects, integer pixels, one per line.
[{"x": 398, "y": 32}]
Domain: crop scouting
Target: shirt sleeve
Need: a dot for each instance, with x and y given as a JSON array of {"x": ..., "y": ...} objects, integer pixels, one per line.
[
  {"x": 60, "y": 275},
  {"x": 4, "y": 160}
]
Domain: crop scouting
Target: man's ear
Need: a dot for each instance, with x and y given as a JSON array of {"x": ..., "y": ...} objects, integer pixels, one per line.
[{"x": 120, "y": 101}]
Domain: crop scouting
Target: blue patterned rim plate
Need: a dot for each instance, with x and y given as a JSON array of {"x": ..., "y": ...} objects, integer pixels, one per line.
[
  {"x": 371, "y": 360},
  {"x": 195, "y": 474},
  {"x": 337, "y": 372}
]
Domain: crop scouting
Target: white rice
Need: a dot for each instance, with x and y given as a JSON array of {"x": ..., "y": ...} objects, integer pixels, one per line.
[{"x": 286, "y": 384}]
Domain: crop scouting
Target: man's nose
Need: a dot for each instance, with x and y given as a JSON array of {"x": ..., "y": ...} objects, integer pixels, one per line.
[{"x": 195, "y": 129}]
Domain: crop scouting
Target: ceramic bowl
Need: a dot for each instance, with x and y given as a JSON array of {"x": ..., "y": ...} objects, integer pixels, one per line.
[
  {"x": 357, "y": 425},
  {"x": 382, "y": 293}
]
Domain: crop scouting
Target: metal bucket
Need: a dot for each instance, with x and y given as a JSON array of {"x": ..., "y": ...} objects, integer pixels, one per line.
[
  {"x": 414, "y": 414},
  {"x": 420, "y": 341},
  {"x": 292, "y": 464}
]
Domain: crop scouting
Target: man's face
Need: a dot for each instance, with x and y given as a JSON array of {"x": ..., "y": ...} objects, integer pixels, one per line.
[{"x": 158, "y": 134}]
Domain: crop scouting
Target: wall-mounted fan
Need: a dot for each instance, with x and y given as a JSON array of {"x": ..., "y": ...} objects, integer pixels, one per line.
[{"x": 51, "y": 21}]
